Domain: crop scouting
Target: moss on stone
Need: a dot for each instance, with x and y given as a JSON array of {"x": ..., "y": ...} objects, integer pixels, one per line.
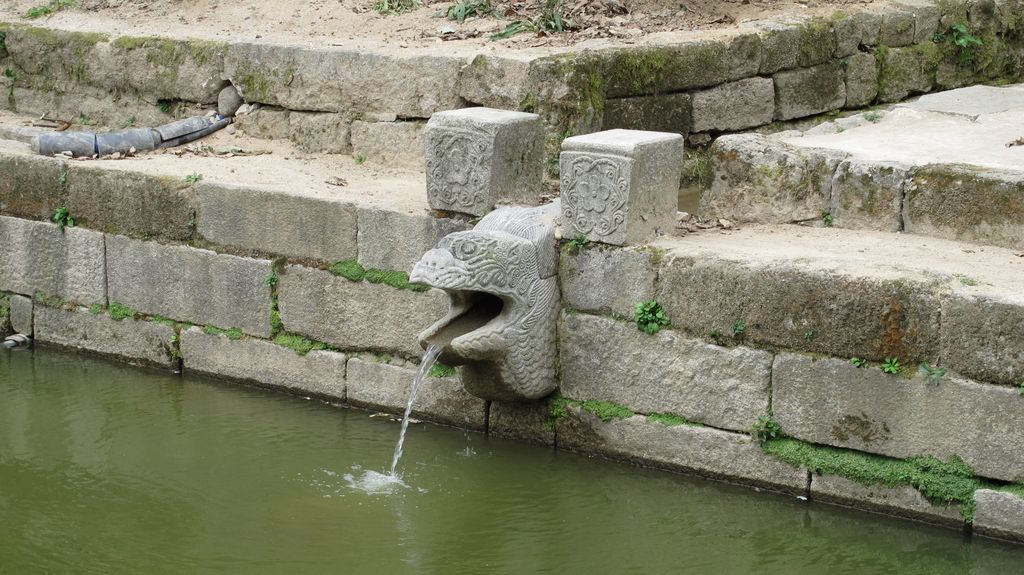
[
  {"x": 671, "y": 420},
  {"x": 441, "y": 370},
  {"x": 232, "y": 334},
  {"x": 119, "y": 311},
  {"x": 299, "y": 344},
  {"x": 817, "y": 42},
  {"x": 349, "y": 269},
  {"x": 5, "y": 306},
  {"x": 940, "y": 482}
]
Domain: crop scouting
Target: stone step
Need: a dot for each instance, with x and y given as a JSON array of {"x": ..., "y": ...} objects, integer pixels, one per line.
[
  {"x": 260, "y": 198},
  {"x": 843, "y": 293},
  {"x": 947, "y": 165},
  {"x": 372, "y": 98}
]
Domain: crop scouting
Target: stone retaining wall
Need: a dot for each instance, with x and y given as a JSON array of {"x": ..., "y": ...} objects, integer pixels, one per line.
[{"x": 373, "y": 103}]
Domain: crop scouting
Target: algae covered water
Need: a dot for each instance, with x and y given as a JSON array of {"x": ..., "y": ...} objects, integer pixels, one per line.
[{"x": 110, "y": 469}]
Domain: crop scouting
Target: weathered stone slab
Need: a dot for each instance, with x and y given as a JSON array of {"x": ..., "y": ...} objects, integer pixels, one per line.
[
  {"x": 755, "y": 179},
  {"x": 164, "y": 68},
  {"x": 832, "y": 402},
  {"x": 965, "y": 203},
  {"x": 904, "y": 71},
  {"x": 904, "y": 501},
  {"x": 31, "y": 186},
  {"x": 131, "y": 203},
  {"x": 868, "y": 196},
  {"x": 665, "y": 113},
  {"x": 999, "y": 514},
  {"x": 983, "y": 337},
  {"x": 809, "y": 91},
  {"x": 278, "y": 223},
  {"x": 265, "y": 122},
  {"x": 973, "y": 101},
  {"x": 189, "y": 284},
  {"x": 780, "y": 45},
  {"x": 663, "y": 373},
  {"x": 620, "y": 186},
  {"x": 607, "y": 280},
  {"x": 638, "y": 71},
  {"x": 861, "y": 80},
  {"x": 320, "y": 372},
  {"x": 845, "y": 315},
  {"x": 137, "y": 342},
  {"x": 817, "y": 42},
  {"x": 319, "y": 131},
  {"x": 477, "y": 157},
  {"x": 734, "y": 106},
  {"x": 701, "y": 450},
  {"x": 897, "y": 28},
  {"x": 389, "y": 143},
  {"x": 356, "y": 315},
  {"x": 395, "y": 241},
  {"x": 39, "y": 257},
  {"x": 384, "y": 386},
  {"x": 21, "y": 314},
  {"x": 528, "y": 421},
  {"x": 340, "y": 80}
]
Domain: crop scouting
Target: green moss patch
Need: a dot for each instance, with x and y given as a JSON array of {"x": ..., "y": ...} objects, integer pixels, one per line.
[
  {"x": 441, "y": 370},
  {"x": 300, "y": 344},
  {"x": 671, "y": 420},
  {"x": 119, "y": 311},
  {"x": 352, "y": 270},
  {"x": 232, "y": 334},
  {"x": 940, "y": 482},
  {"x": 5, "y": 306}
]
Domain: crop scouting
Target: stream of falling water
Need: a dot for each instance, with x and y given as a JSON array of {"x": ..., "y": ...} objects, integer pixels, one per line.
[{"x": 429, "y": 358}]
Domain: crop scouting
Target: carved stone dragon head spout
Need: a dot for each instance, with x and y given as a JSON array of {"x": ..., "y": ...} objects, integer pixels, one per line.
[{"x": 500, "y": 277}]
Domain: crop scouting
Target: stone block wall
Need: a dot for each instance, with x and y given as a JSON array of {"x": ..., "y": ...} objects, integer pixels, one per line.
[{"x": 375, "y": 104}]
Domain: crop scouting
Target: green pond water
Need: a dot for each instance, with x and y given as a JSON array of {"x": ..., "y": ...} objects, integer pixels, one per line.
[{"x": 111, "y": 469}]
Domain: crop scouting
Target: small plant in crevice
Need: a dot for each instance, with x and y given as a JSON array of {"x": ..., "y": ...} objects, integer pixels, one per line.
[
  {"x": 891, "y": 365},
  {"x": 766, "y": 428},
  {"x": 84, "y": 120},
  {"x": 1020, "y": 389},
  {"x": 858, "y": 361},
  {"x": 394, "y": 7},
  {"x": 299, "y": 344},
  {"x": 650, "y": 317},
  {"x": 272, "y": 278},
  {"x": 381, "y": 358},
  {"x": 165, "y": 106},
  {"x": 193, "y": 177},
  {"x": 62, "y": 217},
  {"x": 62, "y": 179},
  {"x": 440, "y": 370},
  {"x": 466, "y": 8},
  {"x": 739, "y": 329},
  {"x": 551, "y": 19},
  {"x": 967, "y": 280},
  {"x": 809, "y": 335},
  {"x": 577, "y": 243},
  {"x": 717, "y": 337},
  {"x": 873, "y": 116},
  {"x": 50, "y": 8},
  {"x": 360, "y": 159},
  {"x": 671, "y": 420},
  {"x": 826, "y": 218},
  {"x": 233, "y": 334},
  {"x": 96, "y": 309},
  {"x": 10, "y": 74},
  {"x": 175, "y": 347},
  {"x": 128, "y": 123},
  {"x": 932, "y": 375}
]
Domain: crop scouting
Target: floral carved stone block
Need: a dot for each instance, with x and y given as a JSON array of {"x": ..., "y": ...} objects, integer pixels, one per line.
[
  {"x": 477, "y": 157},
  {"x": 620, "y": 187}
]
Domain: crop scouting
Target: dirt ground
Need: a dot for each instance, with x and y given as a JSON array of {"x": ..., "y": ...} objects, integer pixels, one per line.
[{"x": 356, "y": 24}]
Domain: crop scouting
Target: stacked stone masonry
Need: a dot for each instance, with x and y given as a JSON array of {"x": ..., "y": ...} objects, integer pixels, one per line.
[{"x": 343, "y": 100}]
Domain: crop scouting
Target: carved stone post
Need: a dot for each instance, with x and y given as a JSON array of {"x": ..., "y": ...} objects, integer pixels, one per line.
[
  {"x": 620, "y": 187},
  {"x": 477, "y": 157}
]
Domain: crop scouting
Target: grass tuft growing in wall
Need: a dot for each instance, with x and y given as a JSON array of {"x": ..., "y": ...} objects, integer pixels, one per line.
[{"x": 232, "y": 334}]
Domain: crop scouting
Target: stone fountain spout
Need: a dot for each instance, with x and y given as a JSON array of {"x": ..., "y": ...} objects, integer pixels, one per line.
[{"x": 500, "y": 277}]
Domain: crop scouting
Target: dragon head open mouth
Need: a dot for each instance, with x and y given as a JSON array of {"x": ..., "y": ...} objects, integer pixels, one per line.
[{"x": 504, "y": 303}]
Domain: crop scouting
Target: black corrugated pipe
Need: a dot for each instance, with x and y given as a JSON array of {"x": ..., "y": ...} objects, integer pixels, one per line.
[{"x": 87, "y": 144}]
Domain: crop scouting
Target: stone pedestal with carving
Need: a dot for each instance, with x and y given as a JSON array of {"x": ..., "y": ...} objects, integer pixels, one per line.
[
  {"x": 620, "y": 187},
  {"x": 477, "y": 157}
]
